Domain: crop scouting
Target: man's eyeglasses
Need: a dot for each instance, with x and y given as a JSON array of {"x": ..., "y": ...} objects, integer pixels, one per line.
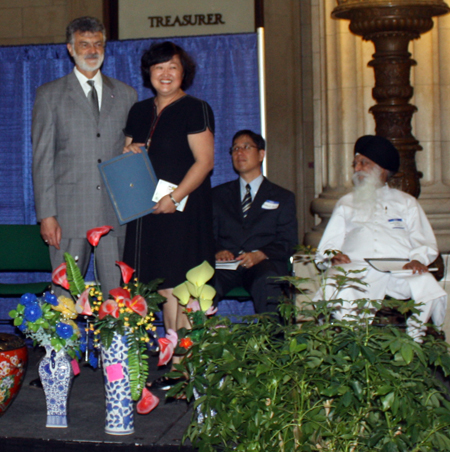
[{"x": 246, "y": 148}]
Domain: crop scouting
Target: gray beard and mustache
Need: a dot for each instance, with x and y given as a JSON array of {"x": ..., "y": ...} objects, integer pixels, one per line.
[
  {"x": 365, "y": 190},
  {"x": 80, "y": 61}
]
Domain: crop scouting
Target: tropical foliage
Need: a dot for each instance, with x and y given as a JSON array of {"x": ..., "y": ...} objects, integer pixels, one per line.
[{"x": 329, "y": 386}]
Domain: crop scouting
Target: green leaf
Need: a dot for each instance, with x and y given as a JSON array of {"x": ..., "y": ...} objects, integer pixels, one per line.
[
  {"x": 407, "y": 352},
  {"x": 106, "y": 337},
  {"x": 76, "y": 281},
  {"x": 13, "y": 314},
  {"x": 387, "y": 401}
]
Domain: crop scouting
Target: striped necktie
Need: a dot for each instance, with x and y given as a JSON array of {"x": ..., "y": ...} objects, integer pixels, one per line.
[
  {"x": 247, "y": 201},
  {"x": 93, "y": 97}
]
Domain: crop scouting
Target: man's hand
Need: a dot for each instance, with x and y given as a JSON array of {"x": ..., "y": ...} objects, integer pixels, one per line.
[
  {"x": 224, "y": 255},
  {"x": 416, "y": 267},
  {"x": 51, "y": 231},
  {"x": 340, "y": 259},
  {"x": 248, "y": 260}
]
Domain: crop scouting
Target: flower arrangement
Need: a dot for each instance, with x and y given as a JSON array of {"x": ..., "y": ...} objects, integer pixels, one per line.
[
  {"x": 127, "y": 310},
  {"x": 48, "y": 320},
  {"x": 197, "y": 297}
]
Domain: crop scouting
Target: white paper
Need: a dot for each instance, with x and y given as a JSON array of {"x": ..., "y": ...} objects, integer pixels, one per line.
[
  {"x": 227, "y": 265},
  {"x": 164, "y": 188},
  {"x": 391, "y": 265}
]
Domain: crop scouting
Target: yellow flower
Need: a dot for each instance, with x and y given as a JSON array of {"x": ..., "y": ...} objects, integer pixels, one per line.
[{"x": 66, "y": 306}]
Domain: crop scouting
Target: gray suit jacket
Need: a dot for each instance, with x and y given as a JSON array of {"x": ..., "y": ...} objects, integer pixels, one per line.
[{"x": 68, "y": 144}]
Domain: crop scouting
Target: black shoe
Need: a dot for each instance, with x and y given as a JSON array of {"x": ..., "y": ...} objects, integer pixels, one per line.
[
  {"x": 164, "y": 383},
  {"x": 36, "y": 383}
]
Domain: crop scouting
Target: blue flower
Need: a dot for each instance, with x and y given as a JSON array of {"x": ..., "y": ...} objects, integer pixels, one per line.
[
  {"x": 51, "y": 299},
  {"x": 64, "y": 331},
  {"x": 78, "y": 354},
  {"x": 32, "y": 312},
  {"x": 28, "y": 299},
  {"x": 23, "y": 327},
  {"x": 93, "y": 360}
]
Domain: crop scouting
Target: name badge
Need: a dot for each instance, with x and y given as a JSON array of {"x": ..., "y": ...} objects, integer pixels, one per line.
[
  {"x": 396, "y": 223},
  {"x": 270, "y": 205}
]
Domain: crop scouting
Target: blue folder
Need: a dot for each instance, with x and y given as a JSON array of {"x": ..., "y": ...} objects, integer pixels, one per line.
[{"x": 130, "y": 181}]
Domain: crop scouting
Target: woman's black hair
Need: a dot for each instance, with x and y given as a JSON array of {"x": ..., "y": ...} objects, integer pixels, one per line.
[{"x": 162, "y": 52}]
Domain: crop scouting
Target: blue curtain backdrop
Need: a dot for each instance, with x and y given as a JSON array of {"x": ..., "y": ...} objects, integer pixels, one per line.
[{"x": 227, "y": 78}]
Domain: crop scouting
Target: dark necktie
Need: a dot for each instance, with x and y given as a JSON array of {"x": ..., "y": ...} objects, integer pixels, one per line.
[
  {"x": 247, "y": 201},
  {"x": 93, "y": 97}
]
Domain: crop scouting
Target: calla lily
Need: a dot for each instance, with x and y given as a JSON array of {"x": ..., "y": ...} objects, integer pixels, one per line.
[
  {"x": 197, "y": 277},
  {"x": 82, "y": 305},
  {"x": 182, "y": 293},
  {"x": 59, "y": 276},
  {"x": 147, "y": 403},
  {"x": 66, "y": 307},
  {"x": 126, "y": 270},
  {"x": 167, "y": 346},
  {"x": 138, "y": 305},
  {"x": 94, "y": 235},
  {"x": 166, "y": 349},
  {"x": 206, "y": 305},
  {"x": 205, "y": 299},
  {"x": 120, "y": 294},
  {"x": 108, "y": 307},
  {"x": 172, "y": 336}
]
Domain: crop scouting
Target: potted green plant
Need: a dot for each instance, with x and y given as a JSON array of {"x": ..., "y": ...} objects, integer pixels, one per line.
[{"x": 327, "y": 386}]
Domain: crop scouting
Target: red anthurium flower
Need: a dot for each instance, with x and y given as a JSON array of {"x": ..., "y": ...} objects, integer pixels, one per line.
[
  {"x": 120, "y": 294},
  {"x": 108, "y": 307},
  {"x": 94, "y": 235},
  {"x": 147, "y": 403},
  {"x": 186, "y": 342},
  {"x": 82, "y": 305},
  {"x": 166, "y": 349},
  {"x": 59, "y": 276},
  {"x": 138, "y": 305},
  {"x": 126, "y": 270}
]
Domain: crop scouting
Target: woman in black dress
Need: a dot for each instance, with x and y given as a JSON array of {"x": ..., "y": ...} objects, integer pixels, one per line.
[{"x": 177, "y": 130}]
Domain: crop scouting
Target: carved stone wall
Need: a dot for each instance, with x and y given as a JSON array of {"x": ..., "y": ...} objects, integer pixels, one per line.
[{"x": 345, "y": 96}]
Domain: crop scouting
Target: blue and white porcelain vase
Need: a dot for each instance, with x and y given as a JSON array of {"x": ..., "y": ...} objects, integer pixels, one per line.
[
  {"x": 119, "y": 405},
  {"x": 56, "y": 374}
]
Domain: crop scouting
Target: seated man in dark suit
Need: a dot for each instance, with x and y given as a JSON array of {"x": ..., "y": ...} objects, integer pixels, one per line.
[{"x": 254, "y": 223}]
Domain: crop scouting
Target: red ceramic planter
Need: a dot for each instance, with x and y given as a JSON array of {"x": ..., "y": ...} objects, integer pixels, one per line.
[{"x": 13, "y": 364}]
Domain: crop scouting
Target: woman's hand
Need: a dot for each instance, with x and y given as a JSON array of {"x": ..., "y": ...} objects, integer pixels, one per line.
[
  {"x": 133, "y": 147},
  {"x": 164, "y": 205}
]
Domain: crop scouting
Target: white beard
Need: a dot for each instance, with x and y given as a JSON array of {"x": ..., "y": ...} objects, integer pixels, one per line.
[
  {"x": 365, "y": 188},
  {"x": 82, "y": 64}
]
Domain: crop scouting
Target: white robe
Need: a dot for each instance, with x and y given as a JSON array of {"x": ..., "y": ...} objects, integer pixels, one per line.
[{"x": 396, "y": 227}]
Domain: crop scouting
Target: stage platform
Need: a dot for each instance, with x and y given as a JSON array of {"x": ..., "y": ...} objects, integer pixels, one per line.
[{"x": 22, "y": 427}]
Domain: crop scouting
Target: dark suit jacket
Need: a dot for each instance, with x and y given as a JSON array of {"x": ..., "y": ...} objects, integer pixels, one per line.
[
  {"x": 68, "y": 144},
  {"x": 273, "y": 232}
]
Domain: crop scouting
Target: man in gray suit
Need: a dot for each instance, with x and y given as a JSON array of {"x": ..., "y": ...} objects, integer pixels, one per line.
[{"x": 77, "y": 123}]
